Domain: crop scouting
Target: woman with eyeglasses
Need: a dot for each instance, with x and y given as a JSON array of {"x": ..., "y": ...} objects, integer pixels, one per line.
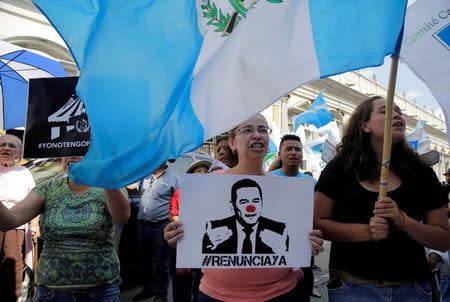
[
  {"x": 250, "y": 140},
  {"x": 15, "y": 183},
  {"x": 78, "y": 261}
]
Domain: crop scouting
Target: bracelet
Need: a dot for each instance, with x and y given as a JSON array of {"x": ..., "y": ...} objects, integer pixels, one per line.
[{"x": 405, "y": 219}]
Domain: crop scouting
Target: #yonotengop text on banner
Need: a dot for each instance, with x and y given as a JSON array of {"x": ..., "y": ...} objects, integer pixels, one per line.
[{"x": 57, "y": 124}]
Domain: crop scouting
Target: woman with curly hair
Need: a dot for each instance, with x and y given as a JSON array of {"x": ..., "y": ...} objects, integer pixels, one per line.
[{"x": 377, "y": 251}]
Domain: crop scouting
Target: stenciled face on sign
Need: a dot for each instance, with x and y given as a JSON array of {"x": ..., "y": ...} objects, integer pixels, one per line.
[{"x": 248, "y": 205}]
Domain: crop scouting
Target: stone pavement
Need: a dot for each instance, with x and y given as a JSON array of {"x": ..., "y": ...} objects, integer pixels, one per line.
[{"x": 321, "y": 274}]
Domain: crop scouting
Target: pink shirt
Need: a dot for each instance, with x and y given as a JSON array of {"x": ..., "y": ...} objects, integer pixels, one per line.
[{"x": 247, "y": 285}]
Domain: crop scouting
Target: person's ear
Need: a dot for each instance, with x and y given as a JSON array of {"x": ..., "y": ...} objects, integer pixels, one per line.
[{"x": 231, "y": 145}]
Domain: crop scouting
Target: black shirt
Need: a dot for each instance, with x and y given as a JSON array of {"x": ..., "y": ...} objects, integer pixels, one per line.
[{"x": 396, "y": 258}]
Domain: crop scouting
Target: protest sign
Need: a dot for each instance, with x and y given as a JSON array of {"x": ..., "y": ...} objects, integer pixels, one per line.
[
  {"x": 57, "y": 124},
  {"x": 245, "y": 221}
]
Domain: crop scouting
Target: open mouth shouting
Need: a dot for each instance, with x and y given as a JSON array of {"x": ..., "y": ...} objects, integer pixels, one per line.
[
  {"x": 257, "y": 146},
  {"x": 398, "y": 124}
]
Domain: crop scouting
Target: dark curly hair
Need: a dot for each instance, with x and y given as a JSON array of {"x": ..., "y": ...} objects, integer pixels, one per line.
[{"x": 359, "y": 156}]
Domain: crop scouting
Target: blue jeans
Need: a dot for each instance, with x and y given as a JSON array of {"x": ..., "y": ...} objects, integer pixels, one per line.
[
  {"x": 349, "y": 292},
  {"x": 291, "y": 296},
  {"x": 445, "y": 288},
  {"x": 102, "y": 293},
  {"x": 154, "y": 253}
]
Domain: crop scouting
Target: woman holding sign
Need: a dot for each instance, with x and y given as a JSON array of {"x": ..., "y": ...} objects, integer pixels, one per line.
[
  {"x": 78, "y": 262},
  {"x": 378, "y": 244},
  {"x": 251, "y": 142}
]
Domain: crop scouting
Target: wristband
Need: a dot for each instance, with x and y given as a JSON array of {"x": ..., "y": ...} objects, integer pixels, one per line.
[{"x": 405, "y": 219}]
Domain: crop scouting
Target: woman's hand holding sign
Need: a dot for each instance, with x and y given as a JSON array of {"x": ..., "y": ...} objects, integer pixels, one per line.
[
  {"x": 316, "y": 238},
  {"x": 173, "y": 232}
]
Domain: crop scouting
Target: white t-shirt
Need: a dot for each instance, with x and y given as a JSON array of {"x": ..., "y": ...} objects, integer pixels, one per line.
[{"x": 15, "y": 184}]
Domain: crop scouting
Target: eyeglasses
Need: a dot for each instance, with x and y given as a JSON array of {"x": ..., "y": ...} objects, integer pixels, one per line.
[
  {"x": 11, "y": 145},
  {"x": 249, "y": 130}
]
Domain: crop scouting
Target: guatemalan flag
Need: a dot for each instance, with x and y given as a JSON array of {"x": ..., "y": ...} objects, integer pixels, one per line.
[
  {"x": 158, "y": 77},
  {"x": 317, "y": 114}
]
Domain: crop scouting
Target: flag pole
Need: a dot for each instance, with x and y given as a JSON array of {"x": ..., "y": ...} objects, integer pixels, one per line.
[
  {"x": 387, "y": 143},
  {"x": 35, "y": 262}
]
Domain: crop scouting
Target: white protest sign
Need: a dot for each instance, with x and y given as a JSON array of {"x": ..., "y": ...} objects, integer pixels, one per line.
[{"x": 245, "y": 221}]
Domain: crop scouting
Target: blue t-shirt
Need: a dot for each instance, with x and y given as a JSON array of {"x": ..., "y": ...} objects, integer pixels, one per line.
[{"x": 280, "y": 172}]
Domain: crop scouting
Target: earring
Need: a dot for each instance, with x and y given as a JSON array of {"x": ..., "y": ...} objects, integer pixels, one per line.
[{"x": 233, "y": 151}]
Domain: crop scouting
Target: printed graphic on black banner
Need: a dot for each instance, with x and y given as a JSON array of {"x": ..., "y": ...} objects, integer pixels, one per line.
[{"x": 57, "y": 123}]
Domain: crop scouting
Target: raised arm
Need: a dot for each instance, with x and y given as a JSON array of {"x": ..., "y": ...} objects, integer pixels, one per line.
[
  {"x": 21, "y": 213},
  {"x": 118, "y": 206}
]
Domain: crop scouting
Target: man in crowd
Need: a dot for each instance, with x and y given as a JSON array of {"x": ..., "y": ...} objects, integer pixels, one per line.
[
  {"x": 16, "y": 183},
  {"x": 291, "y": 155},
  {"x": 224, "y": 153},
  {"x": 152, "y": 218}
]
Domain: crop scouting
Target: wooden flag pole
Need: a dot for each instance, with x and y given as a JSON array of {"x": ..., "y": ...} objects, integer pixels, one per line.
[
  {"x": 387, "y": 143},
  {"x": 35, "y": 262}
]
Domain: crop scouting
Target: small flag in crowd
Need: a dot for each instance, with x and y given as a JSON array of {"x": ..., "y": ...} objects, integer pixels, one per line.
[
  {"x": 317, "y": 114},
  {"x": 426, "y": 48},
  {"x": 331, "y": 130},
  {"x": 418, "y": 139},
  {"x": 160, "y": 77}
]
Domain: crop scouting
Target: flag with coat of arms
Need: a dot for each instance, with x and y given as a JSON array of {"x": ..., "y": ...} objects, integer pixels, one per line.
[{"x": 160, "y": 77}]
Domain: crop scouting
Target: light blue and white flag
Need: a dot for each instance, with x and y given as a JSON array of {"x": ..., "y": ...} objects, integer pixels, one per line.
[
  {"x": 317, "y": 114},
  {"x": 159, "y": 77},
  {"x": 272, "y": 146},
  {"x": 312, "y": 152},
  {"x": 426, "y": 48},
  {"x": 274, "y": 136},
  {"x": 331, "y": 130},
  {"x": 418, "y": 139}
]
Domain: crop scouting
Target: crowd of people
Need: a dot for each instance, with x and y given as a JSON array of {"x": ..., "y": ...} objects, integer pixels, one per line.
[{"x": 382, "y": 249}]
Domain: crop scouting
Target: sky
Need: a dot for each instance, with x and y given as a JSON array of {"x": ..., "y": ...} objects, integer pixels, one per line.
[{"x": 407, "y": 82}]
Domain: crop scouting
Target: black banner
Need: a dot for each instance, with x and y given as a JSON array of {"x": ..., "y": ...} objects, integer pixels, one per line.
[{"x": 57, "y": 123}]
